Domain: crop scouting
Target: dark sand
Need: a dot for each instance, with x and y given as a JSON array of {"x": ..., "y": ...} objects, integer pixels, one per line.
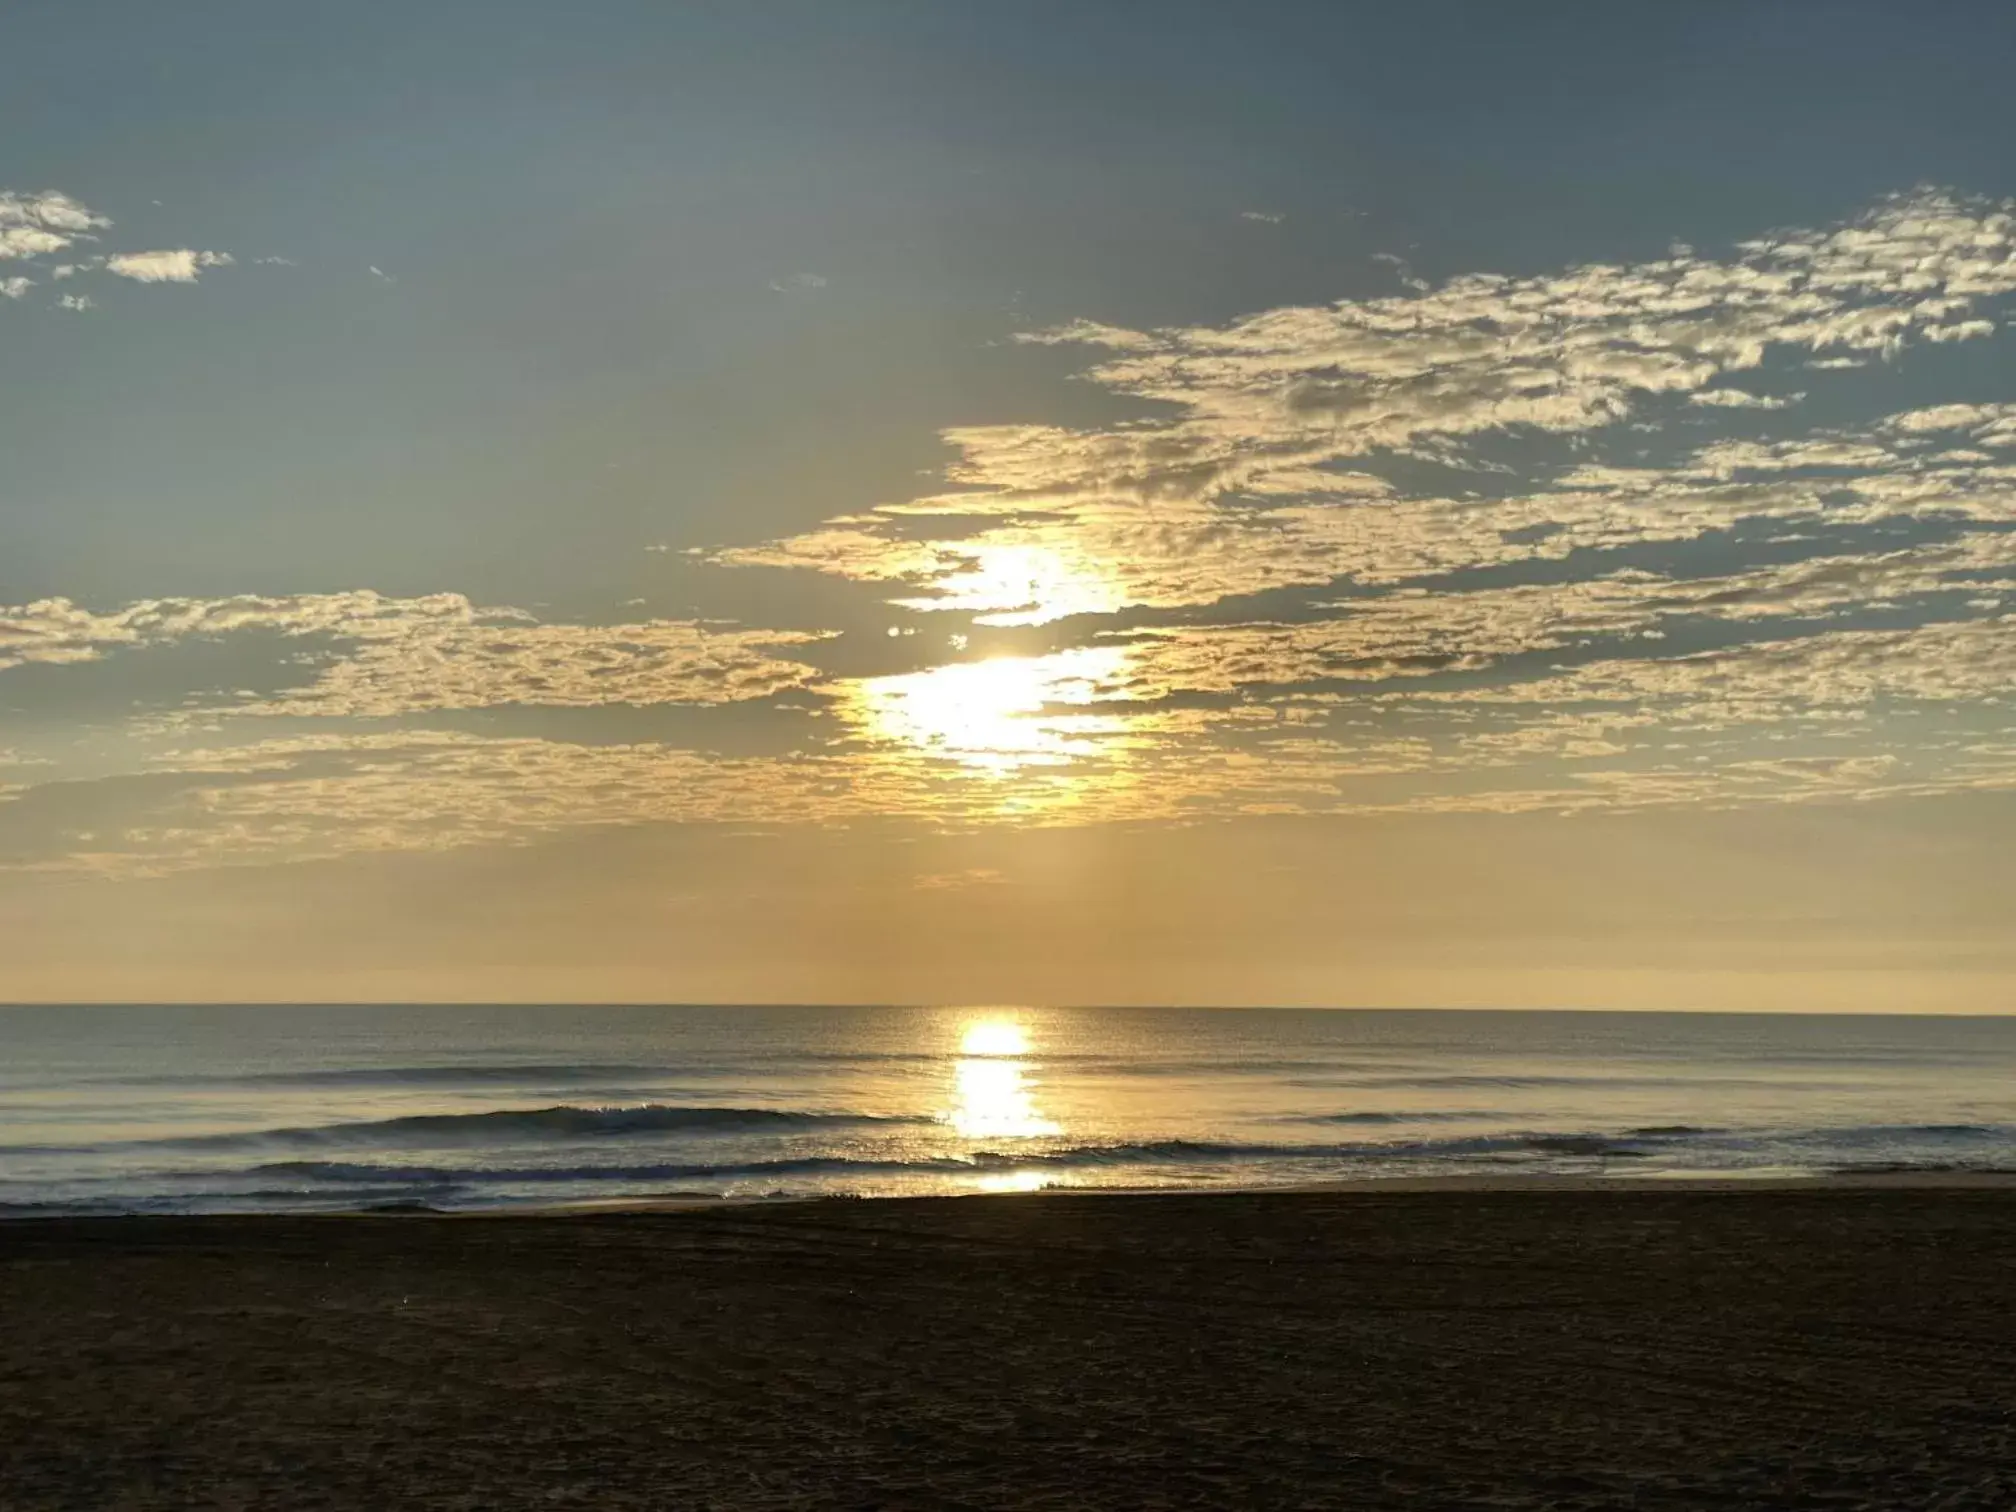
[{"x": 1460, "y": 1349}]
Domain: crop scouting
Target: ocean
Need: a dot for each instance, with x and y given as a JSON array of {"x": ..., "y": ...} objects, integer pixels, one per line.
[{"x": 227, "y": 1109}]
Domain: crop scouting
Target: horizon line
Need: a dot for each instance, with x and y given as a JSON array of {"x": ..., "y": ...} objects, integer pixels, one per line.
[{"x": 1000, "y": 1007}]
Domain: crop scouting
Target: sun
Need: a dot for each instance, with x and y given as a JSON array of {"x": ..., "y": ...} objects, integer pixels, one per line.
[{"x": 999, "y": 715}]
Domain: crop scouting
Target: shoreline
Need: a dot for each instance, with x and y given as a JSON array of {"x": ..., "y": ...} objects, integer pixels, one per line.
[
  {"x": 1455, "y": 1184},
  {"x": 1413, "y": 1186}
]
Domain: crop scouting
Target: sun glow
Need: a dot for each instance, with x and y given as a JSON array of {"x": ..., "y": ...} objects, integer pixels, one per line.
[
  {"x": 1024, "y": 584},
  {"x": 1001, "y": 715}
]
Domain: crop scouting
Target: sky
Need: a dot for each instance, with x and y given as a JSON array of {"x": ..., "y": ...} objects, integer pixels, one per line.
[{"x": 1058, "y": 503}]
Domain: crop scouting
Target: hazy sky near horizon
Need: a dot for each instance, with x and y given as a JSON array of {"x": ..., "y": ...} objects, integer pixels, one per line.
[{"x": 1100, "y": 502}]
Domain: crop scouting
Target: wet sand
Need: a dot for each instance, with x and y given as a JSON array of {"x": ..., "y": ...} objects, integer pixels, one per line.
[{"x": 1563, "y": 1348}]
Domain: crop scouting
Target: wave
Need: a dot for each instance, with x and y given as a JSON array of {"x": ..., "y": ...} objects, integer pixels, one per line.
[
  {"x": 1651, "y": 1140},
  {"x": 352, "y": 1176},
  {"x": 1604, "y": 1081},
  {"x": 1887, "y": 1133},
  {"x": 480, "y": 1074},
  {"x": 1157, "y": 1152},
  {"x": 255, "y": 1198},
  {"x": 504, "y": 1125},
  {"x": 1447, "y": 1115}
]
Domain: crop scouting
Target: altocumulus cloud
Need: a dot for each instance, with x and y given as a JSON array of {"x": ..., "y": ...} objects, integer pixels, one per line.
[
  {"x": 177, "y": 265},
  {"x": 1279, "y": 414},
  {"x": 1599, "y": 538},
  {"x": 1294, "y": 456},
  {"x": 38, "y": 225},
  {"x": 398, "y": 656},
  {"x": 55, "y": 238}
]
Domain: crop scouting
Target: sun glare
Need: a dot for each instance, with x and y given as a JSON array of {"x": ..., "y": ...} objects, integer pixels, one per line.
[
  {"x": 1018, "y": 584},
  {"x": 994, "y": 1038},
  {"x": 1000, "y": 715},
  {"x": 992, "y": 1095},
  {"x": 1011, "y": 1181}
]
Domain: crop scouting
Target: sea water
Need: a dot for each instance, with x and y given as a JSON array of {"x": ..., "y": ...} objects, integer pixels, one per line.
[{"x": 121, "y": 1109}]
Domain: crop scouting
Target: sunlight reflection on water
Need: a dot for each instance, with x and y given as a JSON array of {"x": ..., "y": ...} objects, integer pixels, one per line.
[
  {"x": 1011, "y": 1181},
  {"x": 993, "y": 1096}
]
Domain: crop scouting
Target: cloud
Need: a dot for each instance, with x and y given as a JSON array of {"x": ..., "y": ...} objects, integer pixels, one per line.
[
  {"x": 1765, "y": 683},
  {"x": 962, "y": 880},
  {"x": 1411, "y": 633},
  {"x": 326, "y": 796},
  {"x": 392, "y": 656},
  {"x": 1552, "y": 541},
  {"x": 54, "y": 234},
  {"x": 1265, "y": 217},
  {"x": 35, "y": 225},
  {"x": 179, "y": 265},
  {"x": 1401, "y": 267},
  {"x": 798, "y": 283},
  {"x": 1269, "y": 469},
  {"x": 476, "y": 666},
  {"x": 338, "y": 794},
  {"x": 1227, "y": 496},
  {"x": 1733, "y": 398},
  {"x": 1088, "y": 333}
]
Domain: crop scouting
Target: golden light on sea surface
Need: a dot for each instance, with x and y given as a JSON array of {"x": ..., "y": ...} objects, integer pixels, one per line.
[
  {"x": 992, "y": 1094},
  {"x": 994, "y": 1037},
  {"x": 1011, "y": 1181}
]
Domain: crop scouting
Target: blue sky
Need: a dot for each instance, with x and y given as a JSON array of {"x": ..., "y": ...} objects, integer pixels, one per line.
[{"x": 1022, "y": 467}]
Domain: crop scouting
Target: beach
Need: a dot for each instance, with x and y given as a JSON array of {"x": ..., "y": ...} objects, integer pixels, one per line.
[{"x": 1565, "y": 1346}]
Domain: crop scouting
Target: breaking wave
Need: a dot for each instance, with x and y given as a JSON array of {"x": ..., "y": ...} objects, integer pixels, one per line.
[{"x": 1169, "y": 1152}]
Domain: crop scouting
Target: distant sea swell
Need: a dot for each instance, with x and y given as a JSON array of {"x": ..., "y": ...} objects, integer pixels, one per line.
[{"x": 514, "y": 1124}]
